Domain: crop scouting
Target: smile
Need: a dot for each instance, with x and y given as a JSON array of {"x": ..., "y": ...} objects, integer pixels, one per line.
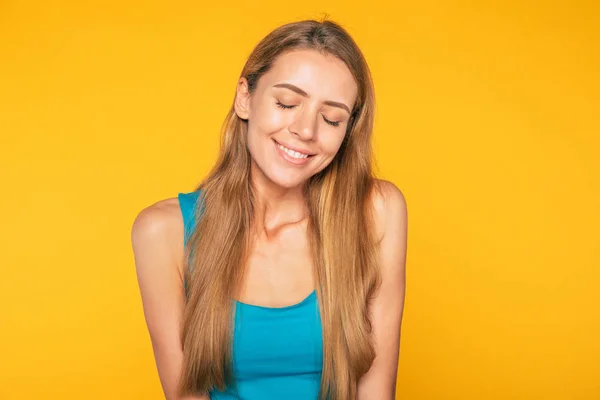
[
  {"x": 291, "y": 156},
  {"x": 292, "y": 153}
]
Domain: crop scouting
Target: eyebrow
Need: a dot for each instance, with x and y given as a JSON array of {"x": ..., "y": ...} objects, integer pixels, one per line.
[{"x": 304, "y": 94}]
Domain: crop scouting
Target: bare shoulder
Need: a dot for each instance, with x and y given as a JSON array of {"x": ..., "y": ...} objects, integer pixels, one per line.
[
  {"x": 158, "y": 216},
  {"x": 387, "y": 307},
  {"x": 389, "y": 206},
  {"x": 158, "y": 228},
  {"x": 157, "y": 239},
  {"x": 158, "y": 220}
]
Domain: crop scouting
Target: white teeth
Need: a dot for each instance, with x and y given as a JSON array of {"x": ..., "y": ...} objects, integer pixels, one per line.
[{"x": 292, "y": 153}]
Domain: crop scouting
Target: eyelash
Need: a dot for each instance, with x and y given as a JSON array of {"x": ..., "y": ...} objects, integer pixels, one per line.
[{"x": 286, "y": 107}]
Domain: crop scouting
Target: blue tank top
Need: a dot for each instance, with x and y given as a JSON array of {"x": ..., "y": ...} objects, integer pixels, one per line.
[{"x": 277, "y": 351}]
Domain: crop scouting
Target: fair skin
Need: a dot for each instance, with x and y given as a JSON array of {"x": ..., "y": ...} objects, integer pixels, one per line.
[
  {"x": 314, "y": 91},
  {"x": 317, "y": 93}
]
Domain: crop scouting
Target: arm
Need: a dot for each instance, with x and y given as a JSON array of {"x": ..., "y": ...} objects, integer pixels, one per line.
[
  {"x": 387, "y": 308},
  {"x": 157, "y": 241}
]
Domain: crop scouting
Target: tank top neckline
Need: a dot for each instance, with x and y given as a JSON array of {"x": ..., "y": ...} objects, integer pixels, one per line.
[{"x": 307, "y": 299}]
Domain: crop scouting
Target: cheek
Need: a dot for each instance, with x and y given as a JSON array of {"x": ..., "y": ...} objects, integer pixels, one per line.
[
  {"x": 332, "y": 144},
  {"x": 265, "y": 119}
]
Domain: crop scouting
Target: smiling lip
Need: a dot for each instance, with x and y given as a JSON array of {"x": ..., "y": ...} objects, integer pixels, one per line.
[
  {"x": 294, "y": 148},
  {"x": 288, "y": 158}
]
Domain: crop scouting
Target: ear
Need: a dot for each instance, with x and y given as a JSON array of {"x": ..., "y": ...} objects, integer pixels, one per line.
[{"x": 242, "y": 99}]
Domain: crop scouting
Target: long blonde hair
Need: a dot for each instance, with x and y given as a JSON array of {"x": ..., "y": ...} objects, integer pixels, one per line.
[{"x": 340, "y": 232}]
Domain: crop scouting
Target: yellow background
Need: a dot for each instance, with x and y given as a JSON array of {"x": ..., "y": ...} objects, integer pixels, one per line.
[{"x": 488, "y": 121}]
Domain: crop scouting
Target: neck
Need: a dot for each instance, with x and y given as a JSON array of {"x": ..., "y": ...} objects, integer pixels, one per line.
[{"x": 276, "y": 206}]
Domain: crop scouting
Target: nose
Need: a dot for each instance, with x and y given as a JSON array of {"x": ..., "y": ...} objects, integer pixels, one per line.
[{"x": 305, "y": 124}]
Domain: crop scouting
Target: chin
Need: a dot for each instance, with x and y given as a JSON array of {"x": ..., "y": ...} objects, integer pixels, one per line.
[{"x": 286, "y": 182}]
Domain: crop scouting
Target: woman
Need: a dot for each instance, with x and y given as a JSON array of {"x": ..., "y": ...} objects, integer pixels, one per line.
[{"x": 282, "y": 275}]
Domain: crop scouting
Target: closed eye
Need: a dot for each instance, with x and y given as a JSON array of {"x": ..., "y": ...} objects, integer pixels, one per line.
[
  {"x": 287, "y": 107},
  {"x": 284, "y": 106},
  {"x": 332, "y": 123}
]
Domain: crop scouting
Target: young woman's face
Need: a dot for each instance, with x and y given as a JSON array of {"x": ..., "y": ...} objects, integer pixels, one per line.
[{"x": 297, "y": 115}]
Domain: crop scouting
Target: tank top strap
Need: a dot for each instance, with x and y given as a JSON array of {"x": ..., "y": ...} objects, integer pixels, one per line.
[{"x": 188, "y": 206}]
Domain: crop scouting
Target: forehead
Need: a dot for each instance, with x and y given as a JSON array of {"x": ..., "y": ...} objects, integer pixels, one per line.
[{"x": 322, "y": 76}]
